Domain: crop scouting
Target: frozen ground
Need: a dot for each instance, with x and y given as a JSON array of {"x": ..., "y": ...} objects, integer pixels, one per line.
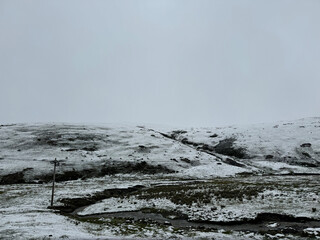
[
  {"x": 288, "y": 147},
  {"x": 25, "y": 214},
  {"x": 188, "y": 176},
  {"x": 223, "y": 200},
  {"x": 30, "y": 149},
  {"x": 282, "y": 146}
]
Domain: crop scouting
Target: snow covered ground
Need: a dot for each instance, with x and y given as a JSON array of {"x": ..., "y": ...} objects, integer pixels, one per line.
[
  {"x": 24, "y": 215},
  {"x": 259, "y": 162},
  {"x": 31, "y": 149},
  {"x": 253, "y": 195},
  {"x": 293, "y": 143},
  {"x": 278, "y": 148}
]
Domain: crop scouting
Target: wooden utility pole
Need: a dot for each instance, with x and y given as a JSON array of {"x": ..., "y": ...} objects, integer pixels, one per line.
[{"x": 54, "y": 179}]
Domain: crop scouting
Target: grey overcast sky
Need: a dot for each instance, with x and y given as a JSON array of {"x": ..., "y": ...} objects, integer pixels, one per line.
[{"x": 173, "y": 62}]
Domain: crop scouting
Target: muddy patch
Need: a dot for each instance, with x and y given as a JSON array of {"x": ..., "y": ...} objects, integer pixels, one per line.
[{"x": 264, "y": 223}]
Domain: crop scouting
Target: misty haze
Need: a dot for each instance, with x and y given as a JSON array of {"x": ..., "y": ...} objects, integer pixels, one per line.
[{"x": 159, "y": 119}]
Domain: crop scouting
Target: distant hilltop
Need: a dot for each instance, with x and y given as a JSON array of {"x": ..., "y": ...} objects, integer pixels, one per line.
[{"x": 86, "y": 151}]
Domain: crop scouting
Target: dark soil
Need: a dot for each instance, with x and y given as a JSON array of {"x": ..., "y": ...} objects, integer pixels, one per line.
[
  {"x": 226, "y": 147},
  {"x": 131, "y": 167},
  {"x": 13, "y": 178},
  {"x": 108, "y": 169},
  {"x": 233, "y": 162},
  {"x": 71, "y": 204},
  {"x": 286, "y": 224}
]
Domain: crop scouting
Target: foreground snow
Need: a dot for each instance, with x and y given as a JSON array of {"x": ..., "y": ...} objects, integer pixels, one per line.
[
  {"x": 281, "y": 195},
  {"x": 24, "y": 215}
]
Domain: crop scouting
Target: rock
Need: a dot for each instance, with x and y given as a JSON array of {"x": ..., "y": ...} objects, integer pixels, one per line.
[
  {"x": 226, "y": 147},
  {"x": 207, "y": 147},
  {"x": 167, "y": 223},
  {"x": 305, "y": 145},
  {"x": 233, "y": 162},
  {"x": 71, "y": 150},
  {"x": 269, "y": 157},
  {"x": 185, "y": 141},
  {"x": 90, "y": 149},
  {"x": 185, "y": 160},
  {"x": 306, "y": 154},
  {"x": 214, "y": 135}
]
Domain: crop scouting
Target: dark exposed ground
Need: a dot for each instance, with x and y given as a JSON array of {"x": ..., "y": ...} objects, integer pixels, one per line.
[
  {"x": 107, "y": 169},
  {"x": 286, "y": 224},
  {"x": 201, "y": 192}
]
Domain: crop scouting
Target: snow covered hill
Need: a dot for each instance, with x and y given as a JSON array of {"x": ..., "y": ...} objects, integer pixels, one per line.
[
  {"x": 26, "y": 151},
  {"x": 292, "y": 146},
  {"x": 142, "y": 181}
]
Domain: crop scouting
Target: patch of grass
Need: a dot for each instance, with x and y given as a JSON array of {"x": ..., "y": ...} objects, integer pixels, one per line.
[
  {"x": 134, "y": 228},
  {"x": 120, "y": 226},
  {"x": 97, "y": 220},
  {"x": 203, "y": 192},
  {"x": 228, "y": 232}
]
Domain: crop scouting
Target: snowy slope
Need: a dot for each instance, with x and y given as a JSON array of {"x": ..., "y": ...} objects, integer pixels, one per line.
[
  {"x": 30, "y": 149},
  {"x": 153, "y": 156},
  {"x": 291, "y": 145},
  {"x": 284, "y": 147}
]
